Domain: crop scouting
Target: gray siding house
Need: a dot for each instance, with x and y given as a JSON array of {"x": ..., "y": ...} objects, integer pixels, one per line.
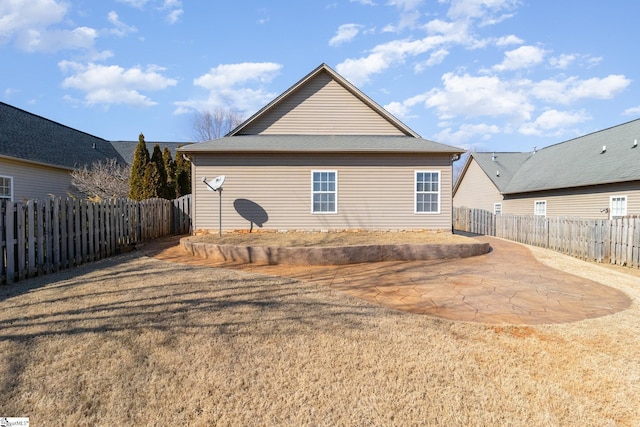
[
  {"x": 37, "y": 155},
  {"x": 595, "y": 176},
  {"x": 323, "y": 156}
]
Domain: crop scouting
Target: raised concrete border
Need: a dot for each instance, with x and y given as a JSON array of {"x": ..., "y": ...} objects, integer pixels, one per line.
[{"x": 268, "y": 255}]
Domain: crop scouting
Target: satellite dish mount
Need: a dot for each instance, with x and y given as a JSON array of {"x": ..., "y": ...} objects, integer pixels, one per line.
[{"x": 216, "y": 185}]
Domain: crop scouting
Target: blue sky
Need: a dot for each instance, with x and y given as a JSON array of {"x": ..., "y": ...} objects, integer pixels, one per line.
[{"x": 503, "y": 75}]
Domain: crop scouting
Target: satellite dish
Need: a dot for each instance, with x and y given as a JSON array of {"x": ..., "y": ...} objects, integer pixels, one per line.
[{"x": 217, "y": 182}]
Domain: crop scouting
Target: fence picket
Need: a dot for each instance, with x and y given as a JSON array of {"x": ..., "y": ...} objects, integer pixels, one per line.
[
  {"x": 43, "y": 236},
  {"x": 616, "y": 241}
]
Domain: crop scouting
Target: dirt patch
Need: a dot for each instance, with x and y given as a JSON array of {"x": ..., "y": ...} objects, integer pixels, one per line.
[{"x": 331, "y": 238}]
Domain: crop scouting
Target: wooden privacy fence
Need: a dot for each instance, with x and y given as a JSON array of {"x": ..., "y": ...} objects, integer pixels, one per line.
[
  {"x": 616, "y": 241},
  {"x": 42, "y": 236}
]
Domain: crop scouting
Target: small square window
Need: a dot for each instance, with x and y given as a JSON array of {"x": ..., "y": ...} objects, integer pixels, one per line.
[
  {"x": 618, "y": 206},
  {"x": 6, "y": 188},
  {"x": 540, "y": 208}
]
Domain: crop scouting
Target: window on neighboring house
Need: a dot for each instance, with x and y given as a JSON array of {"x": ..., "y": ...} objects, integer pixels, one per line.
[
  {"x": 427, "y": 192},
  {"x": 540, "y": 207},
  {"x": 497, "y": 208},
  {"x": 618, "y": 206},
  {"x": 324, "y": 192},
  {"x": 6, "y": 188}
]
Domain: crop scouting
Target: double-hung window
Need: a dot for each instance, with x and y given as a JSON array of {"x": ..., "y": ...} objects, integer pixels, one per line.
[
  {"x": 540, "y": 208},
  {"x": 6, "y": 188},
  {"x": 497, "y": 208},
  {"x": 427, "y": 197},
  {"x": 324, "y": 192},
  {"x": 618, "y": 206}
]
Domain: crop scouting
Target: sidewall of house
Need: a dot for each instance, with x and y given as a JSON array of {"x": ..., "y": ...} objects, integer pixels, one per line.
[
  {"x": 590, "y": 202},
  {"x": 375, "y": 192},
  {"x": 33, "y": 181},
  {"x": 476, "y": 190}
]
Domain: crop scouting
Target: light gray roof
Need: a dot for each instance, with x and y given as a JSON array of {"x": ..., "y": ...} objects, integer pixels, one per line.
[
  {"x": 320, "y": 144},
  {"x": 575, "y": 163},
  {"x": 500, "y": 167},
  {"x": 32, "y": 138}
]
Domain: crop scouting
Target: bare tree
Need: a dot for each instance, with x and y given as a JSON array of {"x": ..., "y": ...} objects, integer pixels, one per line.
[
  {"x": 208, "y": 125},
  {"x": 102, "y": 180}
]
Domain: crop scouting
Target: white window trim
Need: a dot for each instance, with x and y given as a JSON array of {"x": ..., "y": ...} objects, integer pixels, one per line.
[
  {"x": 495, "y": 208},
  {"x": 10, "y": 198},
  {"x": 335, "y": 192},
  {"x": 542, "y": 203},
  {"x": 415, "y": 192},
  {"x": 611, "y": 214}
]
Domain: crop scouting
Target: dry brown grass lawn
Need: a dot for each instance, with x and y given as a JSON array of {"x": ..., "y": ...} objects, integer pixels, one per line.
[
  {"x": 332, "y": 238},
  {"x": 137, "y": 341}
]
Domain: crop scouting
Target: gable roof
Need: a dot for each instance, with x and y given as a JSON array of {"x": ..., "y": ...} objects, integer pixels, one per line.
[
  {"x": 322, "y": 69},
  {"x": 32, "y": 138},
  {"x": 574, "y": 163},
  {"x": 246, "y": 139}
]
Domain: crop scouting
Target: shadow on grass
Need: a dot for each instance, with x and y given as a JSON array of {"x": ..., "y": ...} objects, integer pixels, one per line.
[{"x": 135, "y": 293}]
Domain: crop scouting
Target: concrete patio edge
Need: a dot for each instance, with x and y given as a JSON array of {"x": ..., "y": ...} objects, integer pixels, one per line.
[{"x": 269, "y": 255}]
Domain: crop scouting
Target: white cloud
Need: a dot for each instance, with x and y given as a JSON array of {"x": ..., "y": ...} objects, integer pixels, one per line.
[
  {"x": 466, "y": 133},
  {"x": 239, "y": 87},
  {"x": 55, "y": 40},
  {"x": 553, "y": 123},
  {"x": 174, "y": 16},
  {"x": 487, "y": 11},
  {"x": 440, "y": 34},
  {"x": 522, "y": 57},
  {"x": 435, "y": 58},
  {"x": 345, "y": 33},
  {"x": 364, "y": 2},
  {"x": 29, "y": 23},
  {"x": 113, "y": 84},
  {"x": 573, "y": 89},
  {"x": 633, "y": 111},
  {"x": 120, "y": 28},
  {"x": 135, "y": 3},
  {"x": 562, "y": 61},
  {"x": 509, "y": 40},
  {"x": 172, "y": 8},
  {"x": 21, "y": 15},
  {"x": 406, "y": 4},
  {"x": 472, "y": 96}
]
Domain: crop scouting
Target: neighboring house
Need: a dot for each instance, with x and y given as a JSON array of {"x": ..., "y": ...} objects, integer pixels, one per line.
[
  {"x": 37, "y": 155},
  {"x": 323, "y": 156},
  {"x": 593, "y": 176}
]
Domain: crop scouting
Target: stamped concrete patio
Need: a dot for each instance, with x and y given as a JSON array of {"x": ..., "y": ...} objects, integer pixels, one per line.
[{"x": 507, "y": 285}]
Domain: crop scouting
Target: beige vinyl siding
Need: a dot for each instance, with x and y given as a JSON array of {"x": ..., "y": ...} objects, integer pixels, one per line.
[
  {"x": 33, "y": 181},
  {"x": 374, "y": 192},
  {"x": 584, "y": 202},
  {"x": 476, "y": 190},
  {"x": 322, "y": 107}
]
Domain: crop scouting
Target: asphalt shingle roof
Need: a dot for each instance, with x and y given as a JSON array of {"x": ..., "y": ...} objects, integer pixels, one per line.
[
  {"x": 575, "y": 163},
  {"x": 26, "y": 136},
  {"x": 321, "y": 144}
]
